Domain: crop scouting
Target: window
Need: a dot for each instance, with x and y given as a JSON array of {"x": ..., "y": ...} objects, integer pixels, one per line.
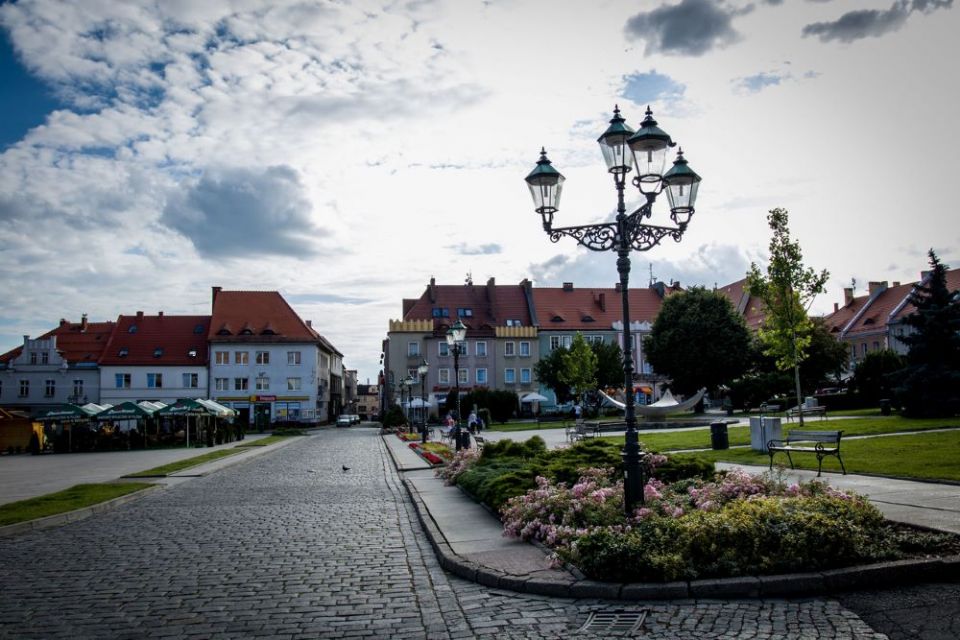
[
  {"x": 509, "y": 349},
  {"x": 198, "y": 329},
  {"x": 413, "y": 348},
  {"x": 560, "y": 341},
  {"x": 513, "y": 323},
  {"x": 192, "y": 353},
  {"x": 443, "y": 376},
  {"x": 524, "y": 348},
  {"x": 24, "y": 389},
  {"x": 221, "y": 357},
  {"x": 464, "y": 312},
  {"x": 158, "y": 352},
  {"x": 481, "y": 376},
  {"x": 44, "y": 358},
  {"x": 464, "y": 376},
  {"x": 324, "y": 361},
  {"x": 241, "y": 384},
  {"x": 863, "y": 349},
  {"x": 481, "y": 349},
  {"x": 241, "y": 357},
  {"x": 191, "y": 380},
  {"x": 49, "y": 388},
  {"x": 123, "y": 352},
  {"x": 443, "y": 349},
  {"x": 221, "y": 384},
  {"x": 509, "y": 376},
  {"x": 293, "y": 358},
  {"x": 524, "y": 376},
  {"x": 78, "y": 387},
  {"x": 554, "y": 342},
  {"x": 413, "y": 373},
  {"x": 33, "y": 357},
  {"x": 263, "y": 357},
  {"x": 593, "y": 339},
  {"x": 122, "y": 380},
  {"x": 132, "y": 329},
  {"x": 293, "y": 384},
  {"x": 154, "y": 380},
  {"x": 440, "y": 312},
  {"x": 263, "y": 383},
  {"x": 876, "y": 345}
]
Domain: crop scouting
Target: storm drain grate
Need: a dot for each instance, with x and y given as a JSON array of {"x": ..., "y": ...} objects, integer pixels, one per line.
[{"x": 613, "y": 622}]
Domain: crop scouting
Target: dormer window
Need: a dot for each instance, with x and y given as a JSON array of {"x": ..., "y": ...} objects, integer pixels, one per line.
[
  {"x": 464, "y": 312},
  {"x": 192, "y": 353},
  {"x": 587, "y": 318},
  {"x": 123, "y": 352},
  {"x": 246, "y": 331},
  {"x": 268, "y": 332},
  {"x": 556, "y": 318},
  {"x": 440, "y": 312},
  {"x": 132, "y": 329},
  {"x": 511, "y": 322},
  {"x": 158, "y": 352},
  {"x": 199, "y": 329}
]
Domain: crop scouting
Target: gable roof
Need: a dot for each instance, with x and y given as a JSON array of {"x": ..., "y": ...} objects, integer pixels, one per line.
[
  {"x": 256, "y": 316},
  {"x": 490, "y": 305},
  {"x": 76, "y": 341},
  {"x": 158, "y": 340},
  {"x": 750, "y": 308},
  {"x": 593, "y": 309},
  {"x": 953, "y": 285}
]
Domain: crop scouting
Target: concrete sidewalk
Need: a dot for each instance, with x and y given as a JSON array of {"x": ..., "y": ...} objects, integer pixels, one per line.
[
  {"x": 469, "y": 541},
  {"x": 26, "y": 476}
]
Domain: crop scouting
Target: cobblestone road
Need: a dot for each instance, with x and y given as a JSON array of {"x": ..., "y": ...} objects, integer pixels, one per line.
[{"x": 290, "y": 546}]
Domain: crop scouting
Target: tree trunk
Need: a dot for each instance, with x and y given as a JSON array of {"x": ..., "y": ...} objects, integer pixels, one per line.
[{"x": 796, "y": 380}]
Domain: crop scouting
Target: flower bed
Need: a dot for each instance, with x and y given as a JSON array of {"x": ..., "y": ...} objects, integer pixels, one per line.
[
  {"x": 429, "y": 456},
  {"x": 715, "y": 525}
]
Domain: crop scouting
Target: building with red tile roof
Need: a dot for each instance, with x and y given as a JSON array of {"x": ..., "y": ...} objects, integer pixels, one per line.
[
  {"x": 750, "y": 308},
  {"x": 58, "y": 367},
  {"x": 268, "y": 363},
  {"x": 875, "y": 321},
  {"x": 160, "y": 358}
]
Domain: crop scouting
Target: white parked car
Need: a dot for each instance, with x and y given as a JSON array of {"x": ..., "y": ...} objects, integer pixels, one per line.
[{"x": 345, "y": 420}]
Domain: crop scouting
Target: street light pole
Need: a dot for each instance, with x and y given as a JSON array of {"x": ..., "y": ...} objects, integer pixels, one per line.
[
  {"x": 623, "y": 151},
  {"x": 455, "y": 336},
  {"x": 422, "y": 370}
]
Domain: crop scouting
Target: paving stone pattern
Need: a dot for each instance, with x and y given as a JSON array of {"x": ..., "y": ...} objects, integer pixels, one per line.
[{"x": 290, "y": 546}]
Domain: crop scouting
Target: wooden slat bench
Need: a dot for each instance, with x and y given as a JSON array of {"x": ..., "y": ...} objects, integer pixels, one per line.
[{"x": 826, "y": 443}]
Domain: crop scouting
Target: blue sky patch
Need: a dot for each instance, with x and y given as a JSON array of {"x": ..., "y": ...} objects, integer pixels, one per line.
[
  {"x": 650, "y": 87},
  {"x": 25, "y": 100}
]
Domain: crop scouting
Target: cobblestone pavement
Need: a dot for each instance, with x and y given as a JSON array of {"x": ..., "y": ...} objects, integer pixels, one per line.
[{"x": 289, "y": 545}]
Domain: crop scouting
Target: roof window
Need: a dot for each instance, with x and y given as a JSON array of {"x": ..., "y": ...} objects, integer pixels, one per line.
[
  {"x": 192, "y": 353},
  {"x": 158, "y": 352},
  {"x": 199, "y": 329},
  {"x": 123, "y": 352},
  {"x": 132, "y": 329}
]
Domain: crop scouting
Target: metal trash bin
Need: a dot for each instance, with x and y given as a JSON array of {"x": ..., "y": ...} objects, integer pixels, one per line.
[{"x": 719, "y": 438}]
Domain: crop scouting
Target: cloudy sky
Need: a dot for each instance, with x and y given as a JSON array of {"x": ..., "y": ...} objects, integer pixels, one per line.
[{"x": 345, "y": 152}]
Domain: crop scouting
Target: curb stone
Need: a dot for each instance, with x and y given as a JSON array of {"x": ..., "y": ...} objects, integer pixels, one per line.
[{"x": 796, "y": 584}]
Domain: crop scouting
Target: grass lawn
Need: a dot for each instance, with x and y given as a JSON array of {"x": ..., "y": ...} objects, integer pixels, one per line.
[
  {"x": 76, "y": 497},
  {"x": 929, "y": 456},
  {"x": 699, "y": 438},
  {"x": 173, "y": 467}
]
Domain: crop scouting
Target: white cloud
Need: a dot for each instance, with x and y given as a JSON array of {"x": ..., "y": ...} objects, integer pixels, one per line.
[{"x": 365, "y": 147}]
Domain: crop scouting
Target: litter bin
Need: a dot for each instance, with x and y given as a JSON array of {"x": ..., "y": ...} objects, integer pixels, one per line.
[{"x": 719, "y": 438}]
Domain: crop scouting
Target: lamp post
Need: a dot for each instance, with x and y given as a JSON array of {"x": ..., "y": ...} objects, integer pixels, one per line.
[
  {"x": 455, "y": 337},
  {"x": 408, "y": 383},
  {"x": 422, "y": 370},
  {"x": 623, "y": 151}
]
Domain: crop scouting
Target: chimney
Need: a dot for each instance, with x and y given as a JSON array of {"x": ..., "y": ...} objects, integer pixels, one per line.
[
  {"x": 876, "y": 288},
  {"x": 568, "y": 286},
  {"x": 159, "y": 314},
  {"x": 847, "y": 295},
  {"x": 492, "y": 297},
  {"x": 432, "y": 290},
  {"x": 139, "y": 315},
  {"x": 616, "y": 287},
  {"x": 213, "y": 299},
  {"x": 602, "y": 301},
  {"x": 83, "y": 323},
  {"x": 310, "y": 323},
  {"x": 63, "y": 322},
  {"x": 836, "y": 307},
  {"x": 896, "y": 283}
]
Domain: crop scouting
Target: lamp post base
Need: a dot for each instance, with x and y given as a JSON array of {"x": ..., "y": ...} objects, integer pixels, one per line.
[{"x": 633, "y": 474}]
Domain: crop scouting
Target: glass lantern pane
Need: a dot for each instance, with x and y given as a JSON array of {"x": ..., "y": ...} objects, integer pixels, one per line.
[
  {"x": 682, "y": 194},
  {"x": 616, "y": 154},
  {"x": 649, "y": 158}
]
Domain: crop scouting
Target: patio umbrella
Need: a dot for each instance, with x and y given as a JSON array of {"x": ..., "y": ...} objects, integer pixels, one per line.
[
  {"x": 124, "y": 411},
  {"x": 533, "y": 397},
  {"x": 185, "y": 407},
  {"x": 419, "y": 403},
  {"x": 66, "y": 413}
]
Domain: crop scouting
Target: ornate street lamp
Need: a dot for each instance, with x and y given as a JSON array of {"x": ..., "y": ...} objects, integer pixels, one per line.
[
  {"x": 408, "y": 382},
  {"x": 624, "y": 151},
  {"x": 422, "y": 370},
  {"x": 455, "y": 337}
]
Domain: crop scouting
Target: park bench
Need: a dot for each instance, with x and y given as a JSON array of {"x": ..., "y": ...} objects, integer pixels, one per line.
[
  {"x": 793, "y": 412},
  {"x": 825, "y": 443},
  {"x": 580, "y": 430}
]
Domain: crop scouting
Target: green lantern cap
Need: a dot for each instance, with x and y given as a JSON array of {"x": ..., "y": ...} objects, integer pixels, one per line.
[
  {"x": 680, "y": 172},
  {"x": 649, "y": 132},
  {"x": 543, "y": 173},
  {"x": 617, "y": 128}
]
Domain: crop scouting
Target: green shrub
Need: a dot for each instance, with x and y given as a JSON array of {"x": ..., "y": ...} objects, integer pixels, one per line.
[
  {"x": 679, "y": 466},
  {"x": 525, "y": 450},
  {"x": 564, "y": 464},
  {"x": 747, "y": 537},
  {"x": 495, "y": 482}
]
